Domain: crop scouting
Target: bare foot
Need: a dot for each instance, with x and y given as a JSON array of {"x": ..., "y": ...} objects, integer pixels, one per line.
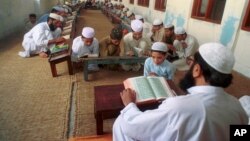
[{"x": 43, "y": 55}]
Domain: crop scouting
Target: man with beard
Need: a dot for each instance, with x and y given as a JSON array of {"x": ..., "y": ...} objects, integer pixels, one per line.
[
  {"x": 204, "y": 114},
  {"x": 41, "y": 37},
  {"x": 135, "y": 44}
]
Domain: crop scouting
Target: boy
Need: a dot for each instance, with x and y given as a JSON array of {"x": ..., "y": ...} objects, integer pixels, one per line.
[
  {"x": 86, "y": 45},
  {"x": 157, "y": 65}
]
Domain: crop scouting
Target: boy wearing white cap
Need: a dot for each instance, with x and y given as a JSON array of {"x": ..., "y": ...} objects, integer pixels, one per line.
[
  {"x": 205, "y": 114},
  {"x": 129, "y": 17},
  {"x": 157, "y": 32},
  {"x": 41, "y": 37},
  {"x": 86, "y": 45},
  {"x": 186, "y": 45},
  {"x": 157, "y": 65},
  {"x": 146, "y": 26},
  {"x": 169, "y": 38},
  {"x": 135, "y": 44}
]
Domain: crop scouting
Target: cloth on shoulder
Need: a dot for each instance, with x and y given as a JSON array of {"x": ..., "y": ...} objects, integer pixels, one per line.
[{"x": 245, "y": 102}]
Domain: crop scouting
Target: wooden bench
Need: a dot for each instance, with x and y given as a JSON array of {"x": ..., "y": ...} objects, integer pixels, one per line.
[{"x": 109, "y": 60}]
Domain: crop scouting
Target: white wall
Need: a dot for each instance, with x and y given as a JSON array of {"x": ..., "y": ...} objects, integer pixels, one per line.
[
  {"x": 228, "y": 32},
  {"x": 14, "y": 12}
]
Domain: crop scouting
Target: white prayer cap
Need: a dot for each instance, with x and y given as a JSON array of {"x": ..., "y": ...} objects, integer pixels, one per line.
[
  {"x": 169, "y": 25},
  {"x": 136, "y": 25},
  {"x": 129, "y": 13},
  {"x": 157, "y": 22},
  {"x": 58, "y": 8},
  {"x": 55, "y": 16},
  {"x": 159, "y": 46},
  {"x": 88, "y": 32},
  {"x": 218, "y": 57},
  {"x": 61, "y": 19},
  {"x": 138, "y": 17},
  {"x": 66, "y": 10},
  {"x": 179, "y": 31}
]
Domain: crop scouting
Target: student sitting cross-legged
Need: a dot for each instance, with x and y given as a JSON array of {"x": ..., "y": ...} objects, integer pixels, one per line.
[
  {"x": 135, "y": 45},
  {"x": 110, "y": 46},
  {"x": 157, "y": 65},
  {"x": 86, "y": 45}
]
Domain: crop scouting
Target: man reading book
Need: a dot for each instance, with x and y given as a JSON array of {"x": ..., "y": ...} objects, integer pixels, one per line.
[
  {"x": 203, "y": 115},
  {"x": 85, "y": 45}
]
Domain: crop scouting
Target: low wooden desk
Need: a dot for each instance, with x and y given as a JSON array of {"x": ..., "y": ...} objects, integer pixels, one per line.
[
  {"x": 108, "y": 104},
  {"x": 58, "y": 58},
  {"x": 109, "y": 60}
]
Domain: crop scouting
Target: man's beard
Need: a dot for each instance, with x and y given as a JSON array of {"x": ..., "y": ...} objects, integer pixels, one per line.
[
  {"x": 52, "y": 27},
  {"x": 187, "y": 81}
]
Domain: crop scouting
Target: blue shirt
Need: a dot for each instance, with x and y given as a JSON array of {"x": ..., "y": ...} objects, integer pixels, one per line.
[
  {"x": 165, "y": 69},
  {"x": 43, "y": 18}
]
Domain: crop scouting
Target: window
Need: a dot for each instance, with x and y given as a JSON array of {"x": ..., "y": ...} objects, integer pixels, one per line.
[
  {"x": 246, "y": 21},
  {"x": 143, "y": 2},
  {"x": 208, "y": 10},
  {"x": 160, "y": 5},
  {"x": 131, "y": 1}
]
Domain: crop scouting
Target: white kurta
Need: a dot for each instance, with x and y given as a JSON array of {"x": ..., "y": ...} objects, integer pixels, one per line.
[
  {"x": 80, "y": 49},
  {"x": 192, "y": 46},
  {"x": 131, "y": 44},
  {"x": 203, "y": 115},
  {"x": 36, "y": 40},
  {"x": 137, "y": 46},
  {"x": 183, "y": 53}
]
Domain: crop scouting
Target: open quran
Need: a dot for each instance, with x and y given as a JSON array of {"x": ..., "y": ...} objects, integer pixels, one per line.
[{"x": 149, "y": 88}]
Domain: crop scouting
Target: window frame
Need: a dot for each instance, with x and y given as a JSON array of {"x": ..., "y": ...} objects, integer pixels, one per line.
[
  {"x": 246, "y": 21},
  {"x": 196, "y": 11},
  {"x": 144, "y": 3},
  {"x": 159, "y": 5}
]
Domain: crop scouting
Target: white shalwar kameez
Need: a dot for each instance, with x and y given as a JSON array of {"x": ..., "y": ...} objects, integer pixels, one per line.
[
  {"x": 80, "y": 49},
  {"x": 137, "y": 46},
  {"x": 203, "y": 115},
  {"x": 183, "y": 53},
  {"x": 36, "y": 40}
]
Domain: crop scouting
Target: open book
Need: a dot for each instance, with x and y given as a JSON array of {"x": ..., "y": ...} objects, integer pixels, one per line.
[
  {"x": 59, "y": 48},
  {"x": 149, "y": 88},
  {"x": 88, "y": 56}
]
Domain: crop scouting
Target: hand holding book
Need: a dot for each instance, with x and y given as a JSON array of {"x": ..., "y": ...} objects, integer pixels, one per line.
[
  {"x": 128, "y": 96},
  {"x": 149, "y": 88}
]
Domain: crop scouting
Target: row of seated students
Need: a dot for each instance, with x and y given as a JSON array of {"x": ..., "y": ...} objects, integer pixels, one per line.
[
  {"x": 48, "y": 31},
  {"x": 181, "y": 45},
  {"x": 134, "y": 43}
]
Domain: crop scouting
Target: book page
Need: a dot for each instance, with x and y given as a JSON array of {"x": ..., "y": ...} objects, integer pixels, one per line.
[
  {"x": 142, "y": 88},
  {"x": 58, "y": 48},
  {"x": 67, "y": 37},
  {"x": 160, "y": 87}
]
